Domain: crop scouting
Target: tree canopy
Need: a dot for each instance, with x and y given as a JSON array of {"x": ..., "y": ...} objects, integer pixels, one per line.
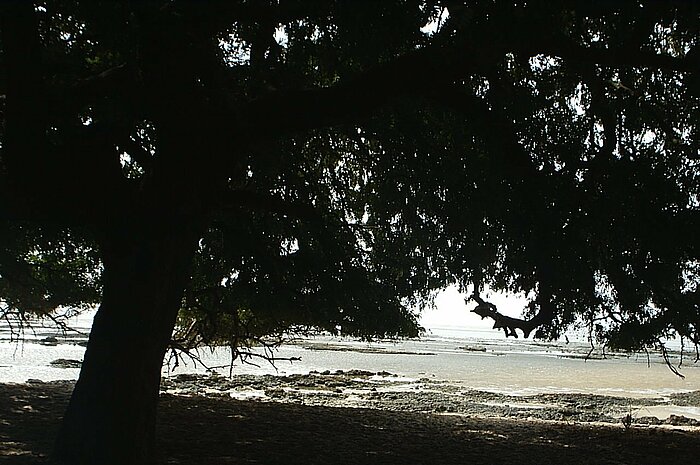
[
  {"x": 370, "y": 153},
  {"x": 244, "y": 168}
]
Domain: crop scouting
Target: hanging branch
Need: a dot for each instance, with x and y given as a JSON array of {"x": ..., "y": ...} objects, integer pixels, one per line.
[
  {"x": 667, "y": 359},
  {"x": 508, "y": 324}
]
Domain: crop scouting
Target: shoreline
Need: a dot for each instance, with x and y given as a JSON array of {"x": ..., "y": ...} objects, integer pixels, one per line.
[{"x": 392, "y": 392}]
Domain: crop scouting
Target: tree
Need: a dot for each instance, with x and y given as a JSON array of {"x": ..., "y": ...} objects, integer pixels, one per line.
[{"x": 233, "y": 169}]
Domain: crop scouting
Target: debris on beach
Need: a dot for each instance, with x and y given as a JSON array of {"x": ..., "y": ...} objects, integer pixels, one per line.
[
  {"x": 66, "y": 363},
  {"x": 387, "y": 391}
]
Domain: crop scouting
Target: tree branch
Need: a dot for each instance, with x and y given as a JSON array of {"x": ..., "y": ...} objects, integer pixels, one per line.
[
  {"x": 420, "y": 72},
  {"x": 220, "y": 14},
  {"x": 120, "y": 83},
  {"x": 139, "y": 154},
  {"x": 508, "y": 324},
  {"x": 415, "y": 73},
  {"x": 268, "y": 202},
  {"x": 618, "y": 57}
]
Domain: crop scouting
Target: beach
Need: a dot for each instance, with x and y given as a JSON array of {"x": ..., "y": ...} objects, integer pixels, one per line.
[
  {"x": 450, "y": 397},
  {"x": 359, "y": 417}
]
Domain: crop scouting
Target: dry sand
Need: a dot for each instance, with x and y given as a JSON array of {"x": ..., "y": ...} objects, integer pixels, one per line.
[{"x": 291, "y": 429}]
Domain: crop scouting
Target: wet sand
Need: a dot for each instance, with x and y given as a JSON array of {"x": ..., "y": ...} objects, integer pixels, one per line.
[{"x": 360, "y": 417}]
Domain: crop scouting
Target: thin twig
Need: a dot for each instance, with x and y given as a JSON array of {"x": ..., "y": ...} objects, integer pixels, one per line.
[
  {"x": 648, "y": 357},
  {"x": 588, "y": 355},
  {"x": 664, "y": 354}
]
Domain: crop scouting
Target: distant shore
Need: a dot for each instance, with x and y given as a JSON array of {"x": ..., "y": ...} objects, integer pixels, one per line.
[{"x": 365, "y": 418}]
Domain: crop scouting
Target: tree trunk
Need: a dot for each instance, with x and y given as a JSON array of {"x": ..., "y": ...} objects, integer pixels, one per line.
[{"x": 111, "y": 415}]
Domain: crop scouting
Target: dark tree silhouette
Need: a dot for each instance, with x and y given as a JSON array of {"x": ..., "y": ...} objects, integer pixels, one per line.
[{"x": 233, "y": 169}]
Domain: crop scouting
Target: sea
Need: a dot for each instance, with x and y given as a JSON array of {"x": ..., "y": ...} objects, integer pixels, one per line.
[{"x": 475, "y": 358}]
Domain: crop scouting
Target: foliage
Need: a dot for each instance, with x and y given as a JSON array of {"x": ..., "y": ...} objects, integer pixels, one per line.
[
  {"x": 44, "y": 268},
  {"x": 346, "y": 163}
]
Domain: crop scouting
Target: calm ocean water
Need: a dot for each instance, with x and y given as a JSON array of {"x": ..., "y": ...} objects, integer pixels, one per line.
[{"x": 477, "y": 359}]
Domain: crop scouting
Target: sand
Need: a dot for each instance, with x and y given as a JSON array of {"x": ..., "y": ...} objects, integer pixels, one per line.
[{"x": 301, "y": 421}]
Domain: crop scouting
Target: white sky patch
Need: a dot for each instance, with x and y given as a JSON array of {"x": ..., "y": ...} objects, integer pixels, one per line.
[
  {"x": 544, "y": 62},
  {"x": 483, "y": 87},
  {"x": 228, "y": 279},
  {"x": 281, "y": 36},
  {"x": 130, "y": 168},
  {"x": 691, "y": 276},
  {"x": 451, "y": 309},
  {"x": 289, "y": 246},
  {"x": 576, "y": 100},
  {"x": 648, "y": 137},
  {"x": 694, "y": 201},
  {"x": 125, "y": 159},
  {"x": 598, "y": 131},
  {"x": 236, "y": 52},
  {"x": 433, "y": 26}
]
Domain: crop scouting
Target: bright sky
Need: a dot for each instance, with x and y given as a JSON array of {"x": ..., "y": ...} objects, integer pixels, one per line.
[{"x": 450, "y": 309}]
